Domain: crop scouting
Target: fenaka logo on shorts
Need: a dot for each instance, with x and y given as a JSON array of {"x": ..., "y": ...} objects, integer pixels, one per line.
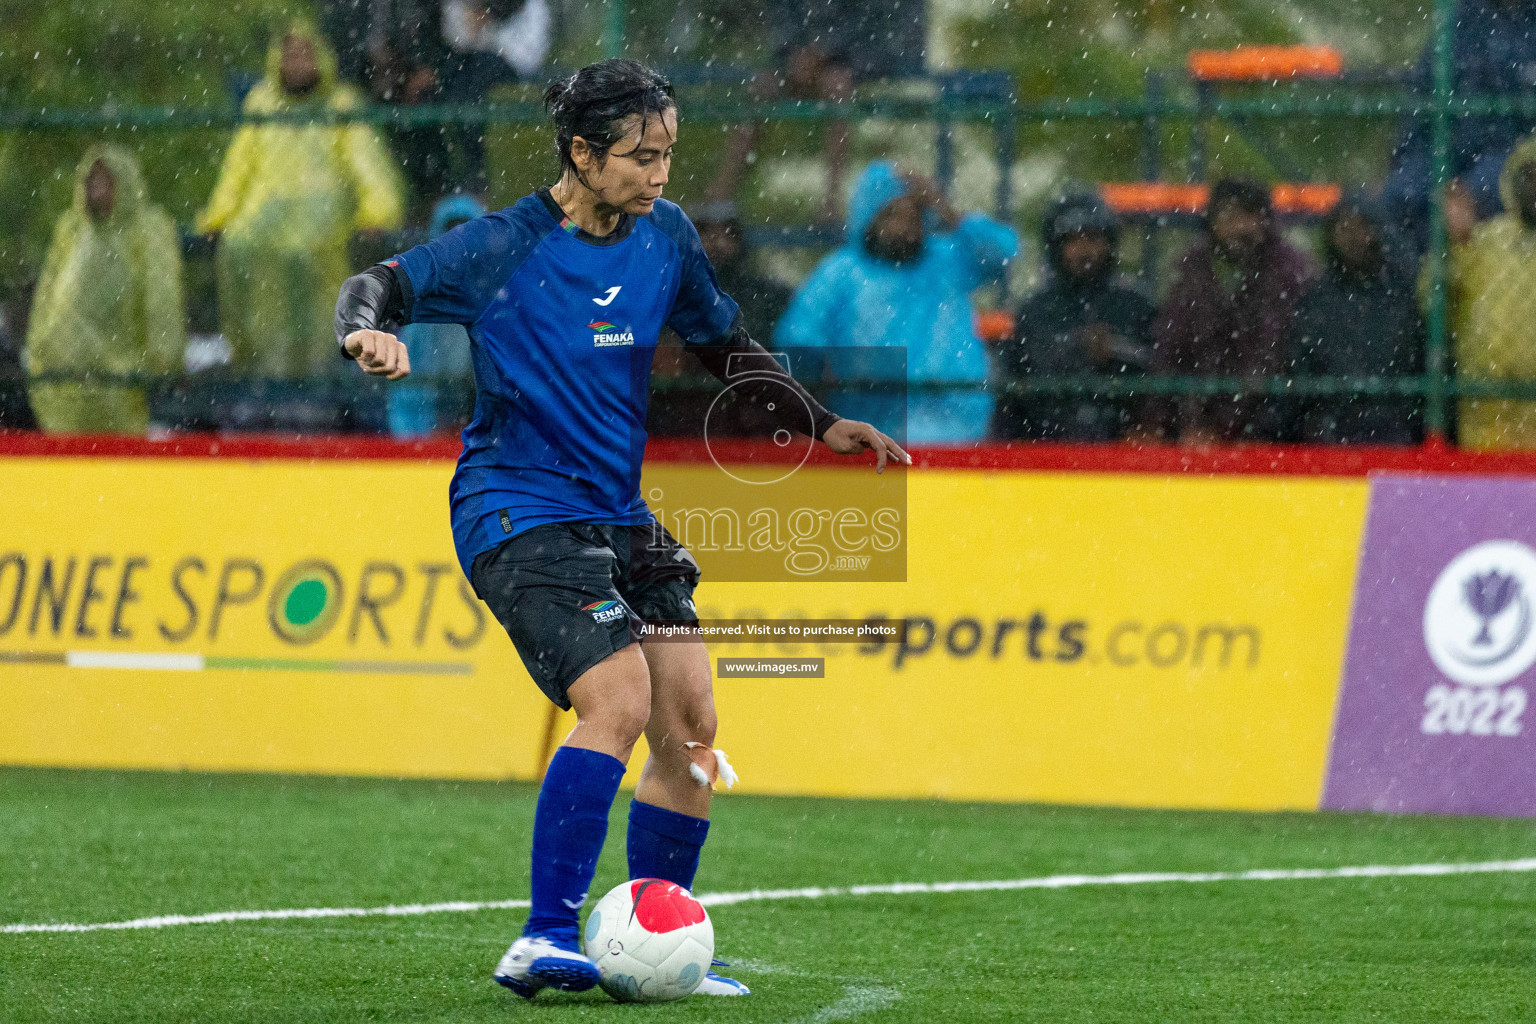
[
  {"x": 608, "y": 335},
  {"x": 604, "y": 611},
  {"x": 1479, "y": 619}
]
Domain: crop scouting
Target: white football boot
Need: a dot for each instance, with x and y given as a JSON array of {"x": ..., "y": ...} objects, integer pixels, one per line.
[
  {"x": 534, "y": 963},
  {"x": 719, "y": 985}
]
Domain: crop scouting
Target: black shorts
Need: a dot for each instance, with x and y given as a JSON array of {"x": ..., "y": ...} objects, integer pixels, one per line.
[{"x": 571, "y": 594}]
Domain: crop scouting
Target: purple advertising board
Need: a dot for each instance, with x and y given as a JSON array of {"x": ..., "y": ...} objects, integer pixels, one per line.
[{"x": 1432, "y": 714}]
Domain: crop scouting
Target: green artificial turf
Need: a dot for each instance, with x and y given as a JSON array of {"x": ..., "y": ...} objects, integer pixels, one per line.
[{"x": 100, "y": 846}]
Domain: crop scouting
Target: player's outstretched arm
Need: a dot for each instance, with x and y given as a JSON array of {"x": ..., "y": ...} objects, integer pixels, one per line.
[
  {"x": 368, "y": 303},
  {"x": 765, "y": 382},
  {"x": 850, "y": 437}
]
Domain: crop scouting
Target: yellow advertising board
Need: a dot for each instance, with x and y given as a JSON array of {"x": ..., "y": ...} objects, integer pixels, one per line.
[
  {"x": 264, "y": 616},
  {"x": 1082, "y": 638}
]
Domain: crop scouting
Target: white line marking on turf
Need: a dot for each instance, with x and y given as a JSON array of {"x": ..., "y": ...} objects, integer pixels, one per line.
[
  {"x": 129, "y": 659},
  {"x": 1127, "y": 878},
  {"x": 725, "y": 899},
  {"x": 227, "y": 916},
  {"x": 856, "y": 1002},
  {"x": 741, "y": 963}
]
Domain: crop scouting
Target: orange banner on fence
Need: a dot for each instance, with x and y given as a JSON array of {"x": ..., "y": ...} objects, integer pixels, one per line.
[{"x": 1265, "y": 63}]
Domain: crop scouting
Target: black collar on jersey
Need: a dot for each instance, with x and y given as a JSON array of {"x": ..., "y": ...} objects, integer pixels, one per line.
[{"x": 614, "y": 237}]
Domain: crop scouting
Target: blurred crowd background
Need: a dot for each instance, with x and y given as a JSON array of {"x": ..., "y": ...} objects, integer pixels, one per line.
[{"x": 183, "y": 188}]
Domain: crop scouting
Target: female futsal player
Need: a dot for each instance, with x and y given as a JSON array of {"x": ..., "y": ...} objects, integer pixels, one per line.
[{"x": 565, "y": 294}]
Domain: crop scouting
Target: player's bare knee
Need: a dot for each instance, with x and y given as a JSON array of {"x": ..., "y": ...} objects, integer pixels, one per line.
[
  {"x": 666, "y": 741},
  {"x": 669, "y": 733},
  {"x": 701, "y": 727},
  {"x": 617, "y": 725},
  {"x": 628, "y": 714},
  {"x": 697, "y": 714},
  {"x": 614, "y": 696}
]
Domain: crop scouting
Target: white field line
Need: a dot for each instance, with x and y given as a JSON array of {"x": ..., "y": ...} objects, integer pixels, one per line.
[
  {"x": 130, "y": 659},
  {"x": 228, "y": 916},
  {"x": 723, "y": 899},
  {"x": 856, "y": 1002}
]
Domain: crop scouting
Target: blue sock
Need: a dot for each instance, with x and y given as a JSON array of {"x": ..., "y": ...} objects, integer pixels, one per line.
[
  {"x": 664, "y": 844},
  {"x": 569, "y": 827}
]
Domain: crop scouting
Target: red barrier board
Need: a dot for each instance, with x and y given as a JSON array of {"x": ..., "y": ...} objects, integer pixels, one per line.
[{"x": 1127, "y": 457}]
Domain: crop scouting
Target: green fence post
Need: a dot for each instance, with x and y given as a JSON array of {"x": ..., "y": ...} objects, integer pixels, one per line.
[
  {"x": 1435, "y": 356},
  {"x": 615, "y": 17}
]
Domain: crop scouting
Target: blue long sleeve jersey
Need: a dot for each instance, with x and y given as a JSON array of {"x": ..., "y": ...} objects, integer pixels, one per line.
[{"x": 563, "y": 326}]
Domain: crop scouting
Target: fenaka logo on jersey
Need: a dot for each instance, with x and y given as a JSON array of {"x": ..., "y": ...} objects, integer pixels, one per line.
[
  {"x": 608, "y": 335},
  {"x": 604, "y": 611}
]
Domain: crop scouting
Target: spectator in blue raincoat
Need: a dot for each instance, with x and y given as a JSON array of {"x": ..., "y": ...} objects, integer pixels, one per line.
[
  {"x": 432, "y": 401},
  {"x": 898, "y": 293}
]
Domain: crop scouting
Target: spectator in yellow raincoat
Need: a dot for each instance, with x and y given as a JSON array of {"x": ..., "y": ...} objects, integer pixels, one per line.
[
  {"x": 1491, "y": 307},
  {"x": 289, "y": 198},
  {"x": 108, "y": 303}
]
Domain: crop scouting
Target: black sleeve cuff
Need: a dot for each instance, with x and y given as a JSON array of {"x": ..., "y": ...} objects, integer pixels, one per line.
[
  {"x": 825, "y": 421},
  {"x": 371, "y": 301},
  {"x": 768, "y": 382}
]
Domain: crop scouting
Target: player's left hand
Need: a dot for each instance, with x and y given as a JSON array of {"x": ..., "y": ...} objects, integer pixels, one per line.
[{"x": 849, "y": 437}]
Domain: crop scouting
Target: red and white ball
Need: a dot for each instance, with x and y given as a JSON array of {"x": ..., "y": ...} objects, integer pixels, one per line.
[{"x": 651, "y": 940}]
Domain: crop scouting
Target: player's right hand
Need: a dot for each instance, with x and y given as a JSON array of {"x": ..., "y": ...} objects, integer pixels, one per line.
[
  {"x": 379, "y": 353},
  {"x": 849, "y": 437}
]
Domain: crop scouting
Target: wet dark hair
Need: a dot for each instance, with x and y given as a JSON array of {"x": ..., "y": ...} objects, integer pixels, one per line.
[
  {"x": 596, "y": 101},
  {"x": 1245, "y": 194}
]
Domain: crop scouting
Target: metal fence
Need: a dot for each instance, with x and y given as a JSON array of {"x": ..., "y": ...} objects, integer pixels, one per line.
[{"x": 987, "y": 99}]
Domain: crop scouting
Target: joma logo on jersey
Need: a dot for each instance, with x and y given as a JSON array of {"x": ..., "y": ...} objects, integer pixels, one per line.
[
  {"x": 609, "y": 336},
  {"x": 604, "y": 611}
]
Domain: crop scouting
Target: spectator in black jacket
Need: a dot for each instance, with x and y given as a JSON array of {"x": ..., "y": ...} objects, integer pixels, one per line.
[
  {"x": 1361, "y": 319},
  {"x": 1085, "y": 320},
  {"x": 15, "y": 411}
]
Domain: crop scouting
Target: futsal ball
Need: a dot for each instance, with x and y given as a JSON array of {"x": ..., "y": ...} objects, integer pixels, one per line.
[{"x": 651, "y": 940}]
